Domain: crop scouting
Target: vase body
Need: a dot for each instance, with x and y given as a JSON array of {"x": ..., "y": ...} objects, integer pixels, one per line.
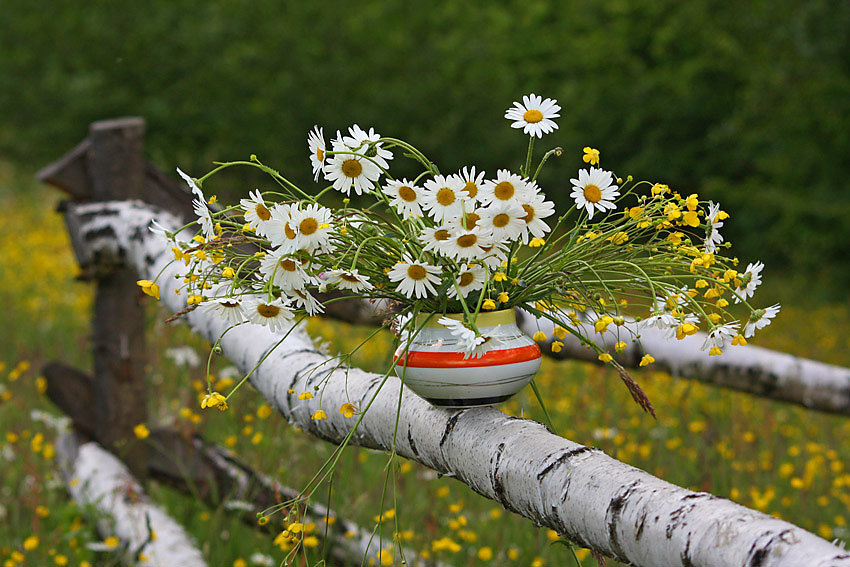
[{"x": 435, "y": 367}]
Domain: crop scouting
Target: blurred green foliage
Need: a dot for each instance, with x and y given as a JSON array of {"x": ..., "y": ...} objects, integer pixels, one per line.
[{"x": 747, "y": 103}]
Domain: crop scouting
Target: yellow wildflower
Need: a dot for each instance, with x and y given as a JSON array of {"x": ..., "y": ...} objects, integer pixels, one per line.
[
  {"x": 305, "y": 396},
  {"x": 319, "y": 415},
  {"x": 620, "y": 346},
  {"x": 348, "y": 410},
  {"x": 488, "y": 305},
  {"x": 559, "y": 332},
  {"x": 659, "y": 188},
  {"x": 739, "y": 340},
  {"x": 214, "y": 400},
  {"x": 536, "y": 242},
  {"x": 715, "y": 351},
  {"x": 647, "y": 360},
  {"x": 591, "y": 155},
  {"x": 149, "y": 288},
  {"x": 485, "y": 553},
  {"x": 500, "y": 277},
  {"x": 31, "y": 543},
  {"x": 503, "y": 297},
  {"x": 539, "y": 336},
  {"x": 605, "y": 357},
  {"x": 601, "y": 324},
  {"x": 557, "y": 346},
  {"x": 141, "y": 431}
]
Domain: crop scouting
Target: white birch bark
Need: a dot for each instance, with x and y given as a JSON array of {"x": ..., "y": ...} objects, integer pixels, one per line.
[
  {"x": 94, "y": 477},
  {"x": 576, "y": 490},
  {"x": 748, "y": 368}
]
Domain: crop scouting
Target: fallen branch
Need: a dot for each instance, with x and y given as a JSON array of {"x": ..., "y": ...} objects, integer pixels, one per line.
[
  {"x": 578, "y": 491},
  {"x": 96, "y": 478}
]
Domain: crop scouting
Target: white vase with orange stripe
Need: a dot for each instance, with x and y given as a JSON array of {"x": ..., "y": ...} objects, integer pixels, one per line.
[{"x": 435, "y": 368}]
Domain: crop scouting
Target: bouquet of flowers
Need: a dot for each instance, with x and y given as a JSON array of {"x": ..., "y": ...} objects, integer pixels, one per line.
[{"x": 467, "y": 243}]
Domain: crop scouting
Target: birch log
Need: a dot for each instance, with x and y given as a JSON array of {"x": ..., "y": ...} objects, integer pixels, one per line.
[
  {"x": 578, "y": 491},
  {"x": 97, "y": 478},
  {"x": 749, "y": 368}
]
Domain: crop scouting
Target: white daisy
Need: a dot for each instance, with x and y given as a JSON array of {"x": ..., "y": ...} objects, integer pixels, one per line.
[
  {"x": 348, "y": 279},
  {"x": 489, "y": 343},
  {"x": 279, "y": 229},
  {"x": 536, "y": 209},
  {"x": 200, "y": 207},
  {"x": 469, "y": 278},
  {"x": 713, "y": 238},
  {"x": 356, "y": 139},
  {"x": 468, "y": 244},
  {"x": 417, "y": 279},
  {"x": 303, "y": 300},
  {"x": 467, "y": 338},
  {"x": 284, "y": 271},
  {"x": 687, "y": 318},
  {"x": 494, "y": 255},
  {"x": 406, "y": 197},
  {"x": 750, "y": 280},
  {"x": 435, "y": 238},
  {"x": 312, "y": 224},
  {"x": 316, "y": 144},
  {"x": 503, "y": 220},
  {"x": 760, "y": 319},
  {"x": 594, "y": 190},
  {"x": 256, "y": 213},
  {"x": 228, "y": 308},
  {"x": 662, "y": 321},
  {"x": 275, "y": 314},
  {"x": 534, "y": 115},
  {"x": 721, "y": 336},
  {"x": 444, "y": 197},
  {"x": 471, "y": 181},
  {"x": 506, "y": 187},
  {"x": 348, "y": 170}
]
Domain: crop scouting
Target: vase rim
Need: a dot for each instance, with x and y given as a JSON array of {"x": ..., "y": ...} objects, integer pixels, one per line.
[{"x": 484, "y": 318}]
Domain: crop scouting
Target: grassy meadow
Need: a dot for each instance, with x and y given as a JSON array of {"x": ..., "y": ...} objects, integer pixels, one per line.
[{"x": 777, "y": 458}]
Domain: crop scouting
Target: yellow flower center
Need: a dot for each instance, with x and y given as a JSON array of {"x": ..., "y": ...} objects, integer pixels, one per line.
[
  {"x": 501, "y": 220},
  {"x": 268, "y": 311},
  {"x": 407, "y": 193},
  {"x": 532, "y": 116},
  {"x": 287, "y": 230},
  {"x": 592, "y": 193},
  {"x": 441, "y": 234},
  {"x": 320, "y": 154},
  {"x": 351, "y": 168},
  {"x": 288, "y": 265},
  {"x": 308, "y": 226},
  {"x": 466, "y": 278},
  {"x": 445, "y": 196},
  {"x": 262, "y": 212},
  {"x": 504, "y": 190},
  {"x": 467, "y": 240},
  {"x": 471, "y": 189},
  {"x": 349, "y": 277},
  {"x": 529, "y": 213},
  {"x": 416, "y": 272},
  {"x": 470, "y": 220},
  {"x": 229, "y": 304}
]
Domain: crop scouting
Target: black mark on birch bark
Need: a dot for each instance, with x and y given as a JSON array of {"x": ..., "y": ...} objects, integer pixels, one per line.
[
  {"x": 612, "y": 515},
  {"x": 450, "y": 427},
  {"x": 411, "y": 442},
  {"x": 567, "y": 455},
  {"x": 498, "y": 489}
]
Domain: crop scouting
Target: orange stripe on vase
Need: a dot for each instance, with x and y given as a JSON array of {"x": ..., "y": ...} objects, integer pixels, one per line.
[{"x": 420, "y": 359}]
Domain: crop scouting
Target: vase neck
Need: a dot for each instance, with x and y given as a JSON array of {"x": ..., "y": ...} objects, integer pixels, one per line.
[{"x": 484, "y": 319}]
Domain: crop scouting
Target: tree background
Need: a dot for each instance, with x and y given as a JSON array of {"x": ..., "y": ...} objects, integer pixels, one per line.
[{"x": 747, "y": 103}]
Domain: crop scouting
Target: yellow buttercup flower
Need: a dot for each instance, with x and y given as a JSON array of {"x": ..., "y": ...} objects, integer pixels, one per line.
[
  {"x": 557, "y": 346},
  {"x": 488, "y": 305},
  {"x": 319, "y": 415},
  {"x": 503, "y": 297},
  {"x": 348, "y": 410},
  {"x": 591, "y": 155},
  {"x": 214, "y": 400},
  {"x": 536, "y": 242},
  {"x": 149, "y": 288},
  {"x": 647, "y": 360},
  {"x": 539, "y": 336},
  {"x": 141, "y": 431},
  {"x": 605, "y": 357}
]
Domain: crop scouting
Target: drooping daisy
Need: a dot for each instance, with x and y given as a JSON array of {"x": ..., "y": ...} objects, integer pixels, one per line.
[
  {"x": 536, "y": 209},
  {"x": 406, "y": 197},
  {"x": 662, "y": 321},
  {"x": 279, "y": 229},
  {"x": 467, "y": 338},
  {"x": 284, "y": 271},
  {"x": 416, "y": 279},
  {"x": 348, "y": 279},
  {"x": 503, "y": 220},
  {"x": 594, "y": 190},
  {"x": 721, "y": 336},
  {"x": 506, "y": 187},
  {"x": 759, "y": 319},
  {"x": 316, "y": 144},
  {"x": 275, "y": 314},
  {"x": 229, "y": 308},
  {"x": 494, "y": 255},
  {"x": 468, "y": 244},
  {"x": 470, "y": 278},
  {"x": 534, "y": 115},
  {"x": 357, "y": 138},
  {"x": 303, "y": 300},
  {"x": 471, "y": 181},
  {"x": 750, "y": 280},
  {"x": 435, "y": 238},
  {"x": 312, "y": 224},
  {"x": 347, "y": 170},
  {"x": 444, "y": 197},
  {"x": 256, "y": 213},
  {"x": 713, "y": 238},
  {"x": 200, "y": 207}
]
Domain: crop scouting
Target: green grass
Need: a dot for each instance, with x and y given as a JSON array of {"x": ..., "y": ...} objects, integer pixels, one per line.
[{"x": 778, "y": 458}]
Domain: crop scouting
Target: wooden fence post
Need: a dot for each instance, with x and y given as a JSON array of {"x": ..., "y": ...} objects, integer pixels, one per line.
[{"x": 116, "y": 167}]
